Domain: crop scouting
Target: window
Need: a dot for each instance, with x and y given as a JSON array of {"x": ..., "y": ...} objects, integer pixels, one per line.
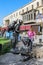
[
  {"x": 34, "y": 15},
  {"x": 7, "y": 22},
  {"x": 31, "y": 17},
  {"x": 37, "y": 4},
  {"x": 27, "y": 17},
  {"x": 23, "y": 11},
  {"x": 27, "y": 8},
  {"x": 16, "y": 14},
  {"x": 32, "y": 6},
  {"x": 24, "y": 18}
]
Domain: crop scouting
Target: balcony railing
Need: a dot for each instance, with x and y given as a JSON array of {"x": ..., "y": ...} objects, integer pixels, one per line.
[{"x": 30, "y": 21}]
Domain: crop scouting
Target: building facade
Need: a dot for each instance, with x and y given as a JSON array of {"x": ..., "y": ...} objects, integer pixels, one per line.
[{"x": 27, "y": 13}]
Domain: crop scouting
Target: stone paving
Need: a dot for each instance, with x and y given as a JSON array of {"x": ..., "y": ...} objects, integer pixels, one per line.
[{"x": 11, "y": 59}]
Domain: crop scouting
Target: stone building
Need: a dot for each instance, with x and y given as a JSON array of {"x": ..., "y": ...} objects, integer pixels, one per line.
[{"x": 28, "y": 14}]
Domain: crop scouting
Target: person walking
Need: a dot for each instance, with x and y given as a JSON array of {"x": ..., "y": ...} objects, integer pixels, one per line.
[{"x": 31, "y": 33}]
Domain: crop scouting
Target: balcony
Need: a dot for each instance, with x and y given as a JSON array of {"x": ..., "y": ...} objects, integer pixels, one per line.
[{"x": 30, "y": 21}]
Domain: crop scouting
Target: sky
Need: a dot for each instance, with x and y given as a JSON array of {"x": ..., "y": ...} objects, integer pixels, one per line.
[{"x": 9, "y": 6}]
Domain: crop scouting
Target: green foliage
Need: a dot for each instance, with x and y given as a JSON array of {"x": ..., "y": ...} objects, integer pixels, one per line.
[{"x": 6, "y": 45}]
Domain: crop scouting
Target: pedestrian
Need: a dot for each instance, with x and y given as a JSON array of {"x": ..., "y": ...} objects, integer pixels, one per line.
[{"x": 31, "y": 33}]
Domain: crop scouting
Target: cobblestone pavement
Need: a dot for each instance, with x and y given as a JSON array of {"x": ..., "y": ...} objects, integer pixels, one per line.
[{"x": 11, "y": 59}]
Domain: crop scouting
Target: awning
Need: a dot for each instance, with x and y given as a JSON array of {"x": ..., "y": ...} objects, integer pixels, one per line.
[
  {"x": 4, "y": 28},
  {"x": 22, "y": 27},
  {"x": 25, "y": 27}
]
